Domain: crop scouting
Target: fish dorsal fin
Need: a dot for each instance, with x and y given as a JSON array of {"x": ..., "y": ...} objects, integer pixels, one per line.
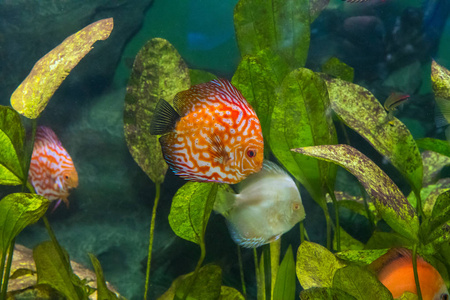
[
  {"x": 217, "y": 90},
  {"x": 269, "y": 168},
  {"x": 164, "y": 118},
  {"x": 394, "y": 255}
]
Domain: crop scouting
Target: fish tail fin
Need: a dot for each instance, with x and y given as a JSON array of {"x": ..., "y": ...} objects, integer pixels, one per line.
[
  {"x": 442, "y": 112},
  {"x": 164, "y": 118},
  {"x": 225, "y": 201}
]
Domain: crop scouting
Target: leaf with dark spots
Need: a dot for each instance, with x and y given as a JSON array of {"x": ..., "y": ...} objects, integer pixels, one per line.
[
  {"x": 392, "y": 205},
  {"x": 362, "y": 112}
]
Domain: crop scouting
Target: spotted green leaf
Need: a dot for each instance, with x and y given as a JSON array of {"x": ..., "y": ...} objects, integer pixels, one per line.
[
  {"x": 279, "y": 25},
  {"x": 438, "y": 225},
  {"x": 52, "y": 270},
  {"x": 360, "y": 257},
  {"x": 392, "y": 205},
  {"x": 316, "y": 265},
  {"x": 440, "y": 81},
  {"x": 190, "y": 210},
  {"x": 33, "y": 94},
  {"x": 17, "y": 211},
  {"x": 362, "y": 112},
  {"x": 336, "y": 68},
  {"x": 11, "y": 144},
  {"x": 158, "y": 72},
  {"x": 360, "y": 283},
  {"x": 301, "y": 118},
  {"x": 325, "y": 294}
]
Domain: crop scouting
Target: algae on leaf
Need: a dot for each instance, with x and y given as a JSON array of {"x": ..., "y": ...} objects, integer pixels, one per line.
[
  {"x": 336, "y": 68},
  {"x": 12, "y": 136},
  {"x": 301, "y": 118},
  {"x": 158, "y": 72},
  {"x": 325, "y": 294},
  {"x": 440, "y": 81},
  {"x": 392, "y": 205},
  {"x": 33, "y": 94},
  {"x": 316, "y": 265},
  {"x": 190, "y": 210},
  {"x": 279, "y": 25},
  {"x": 362, "y": 112}
]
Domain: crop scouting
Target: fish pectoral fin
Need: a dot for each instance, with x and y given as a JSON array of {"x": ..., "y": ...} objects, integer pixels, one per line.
[
  {"x": 217, "y": 149},
  {"x": 66, "y": 201},
  {"x": 274, "y": 238},
  {"x": 164, "y": 118}
]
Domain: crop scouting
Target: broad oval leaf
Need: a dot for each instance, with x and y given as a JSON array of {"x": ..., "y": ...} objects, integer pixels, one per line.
[
  {"x": 316, "y": 265},
  {"x": 200, "y": 76},
  {"x": 360, "y": 257},
  {"x": 158, "y": 72},
  {"x": 360, "y": 283},
  {"x": 190, "y": 210},
  {"x": 229, "y": 293},
  {"x": 285, "y": 284},
  {"x": 325, "y": 294},
  {"x": 17, "y": 211},
  {"x": 301, "y": 118},
  {"x": 33, "y": 94},
  {"x": 52, "y": 270},
  {"x": 433, "y": 162},
  {"x": 440, "y": 81},
  {"x": 439, "y": 224},
  {"x": 362, "y": 112},
  {"x": 392, "y": 205},
  {"x": 279, "y": 25},
  {"x": 11, "y": 150},
  {"x": 336, "y": 68},
  {"x": 102, "y": 289}
]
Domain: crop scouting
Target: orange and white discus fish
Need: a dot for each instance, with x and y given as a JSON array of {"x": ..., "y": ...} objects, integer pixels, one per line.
[
  {"x": 395, "y": 270},
  {"x": 213, "y": 134},
  {"x": 52, "y": 172}
]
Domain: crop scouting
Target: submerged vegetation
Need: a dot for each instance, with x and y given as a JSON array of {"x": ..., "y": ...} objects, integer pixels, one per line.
[{"x": 298, "y": 110}]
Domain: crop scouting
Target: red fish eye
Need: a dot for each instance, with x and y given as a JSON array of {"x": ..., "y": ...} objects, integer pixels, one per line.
[{"x": 251, "y": 153}]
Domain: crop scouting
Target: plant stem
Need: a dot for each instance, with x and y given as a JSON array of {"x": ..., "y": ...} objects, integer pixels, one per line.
[
  {"x": 241, "y": 271},
  {"x": 8, "y": 268},
  {"x": 197, "y": 269},
  {"x": 419, "y": 202},
  {"x": 416, "y": 275},
  {"x": 337, "y": 231},
  {"x": 302, "y": 232},
  {"x": 150, "y": 244},
  {"x": 366, "y": 207}
]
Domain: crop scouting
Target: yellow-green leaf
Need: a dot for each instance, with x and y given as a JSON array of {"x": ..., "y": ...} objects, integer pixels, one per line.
[
  {"x": 325, "y": 294},
  {"x": 159, "y": 72},
  {"x": 316, "y": 265},
  {"x": 190, "y": 210},
  {"x": 360, "y": 257},
  {"x": 347, "y": 241},
  {"x": 362, "y": 112},
  {"x": 11, "y": 147},
  {"x": 285, "y": 284},
  {"x": 440, "y": 81},
  {"x": 102, "y": 289},
  {"x": 392, "y": 205},
  {"x": 336, "y": 68},
  {"x": 33, "y": 94},
  {"x": 439, "y": 146},
  {"x": 229, "y": 293}
]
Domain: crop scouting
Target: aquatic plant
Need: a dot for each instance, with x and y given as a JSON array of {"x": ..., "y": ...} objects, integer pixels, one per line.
[{"x": 18, "y": 210}]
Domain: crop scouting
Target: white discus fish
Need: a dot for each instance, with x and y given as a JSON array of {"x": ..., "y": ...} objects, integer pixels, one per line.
[{"x": 268, "y": 205}]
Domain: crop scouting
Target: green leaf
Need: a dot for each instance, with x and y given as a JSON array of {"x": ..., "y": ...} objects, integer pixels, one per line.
[
  {"x": 229, "y": 293},
  {"x": 433, "y": 163},
  {"x": 190, "y": 210},
  {"x": 301, "y": 118},
  {"x": 360, "y": 283},
  {"x": 392, "y": 205},
  {"x": 52, "y": 270},
  {"x": 17, "y": 211},
  {"x": 200, "y": 76},
  {"x": 347, "y": 241},
  {"x": 279, "y": 25},
  {"x": 159, "y": 72},
  {"x": 11, "y": 140},
  {"x": 360, "y": 257},
  {"x": 355, "y": 204},
  {"x": 383, "y": 240},
  {"x": 316, "y": 265},
  {"x": 325, "y": 294},
  {"x": 440, "y": 81},
  {"x": 257, "y": 79},
  {"x": 408, "y": 296},
  {"x": 336, "y": 68},
  {"x": 102, "y": 289},
  {"x": 316, "y": 7},
  {"x": 285, "y": 283},
  {"x": 206, "y": 286},
  {"x": 438, "y": 224},
  {"x": 33, "y": 94},
  {"x": 362, "y": 112},
  {"x": 439, "y": 146}
]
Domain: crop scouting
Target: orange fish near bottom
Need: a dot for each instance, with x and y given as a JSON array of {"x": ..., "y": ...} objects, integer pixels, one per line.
[
  {"x": 395, "y": 270},
  {"x": 52, "y": 172}
]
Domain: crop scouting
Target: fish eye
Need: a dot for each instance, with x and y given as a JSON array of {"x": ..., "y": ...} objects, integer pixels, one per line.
[
  {"x": 444, "y": 297},
  {"x": 251, "y": 153},
  {"x": 295, "y": 206},
  {"x": 66, "y": 176}
]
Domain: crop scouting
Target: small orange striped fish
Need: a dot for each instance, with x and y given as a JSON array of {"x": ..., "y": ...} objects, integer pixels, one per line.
[
  {"x": 213, "y": 134},
  {"x": 52, "y": 172},
  {"x": 395, "y": 271}
]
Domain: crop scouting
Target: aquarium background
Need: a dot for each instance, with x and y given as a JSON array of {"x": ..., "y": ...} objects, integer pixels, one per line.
[{"x": 110, "y": 211}]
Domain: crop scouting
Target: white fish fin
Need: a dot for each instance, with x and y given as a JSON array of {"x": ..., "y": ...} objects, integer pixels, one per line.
[
  {"x": 243, "y": 241},
  {"x": 442, "y": 112},
  {"x": 225, "y": 202},
  {"x": 269, "y": 168}
]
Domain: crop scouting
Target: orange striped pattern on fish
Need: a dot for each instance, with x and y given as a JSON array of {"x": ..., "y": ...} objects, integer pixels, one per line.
[
  {"x": 52, "y": 172},
  {"x": 213, "y": 134}
]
